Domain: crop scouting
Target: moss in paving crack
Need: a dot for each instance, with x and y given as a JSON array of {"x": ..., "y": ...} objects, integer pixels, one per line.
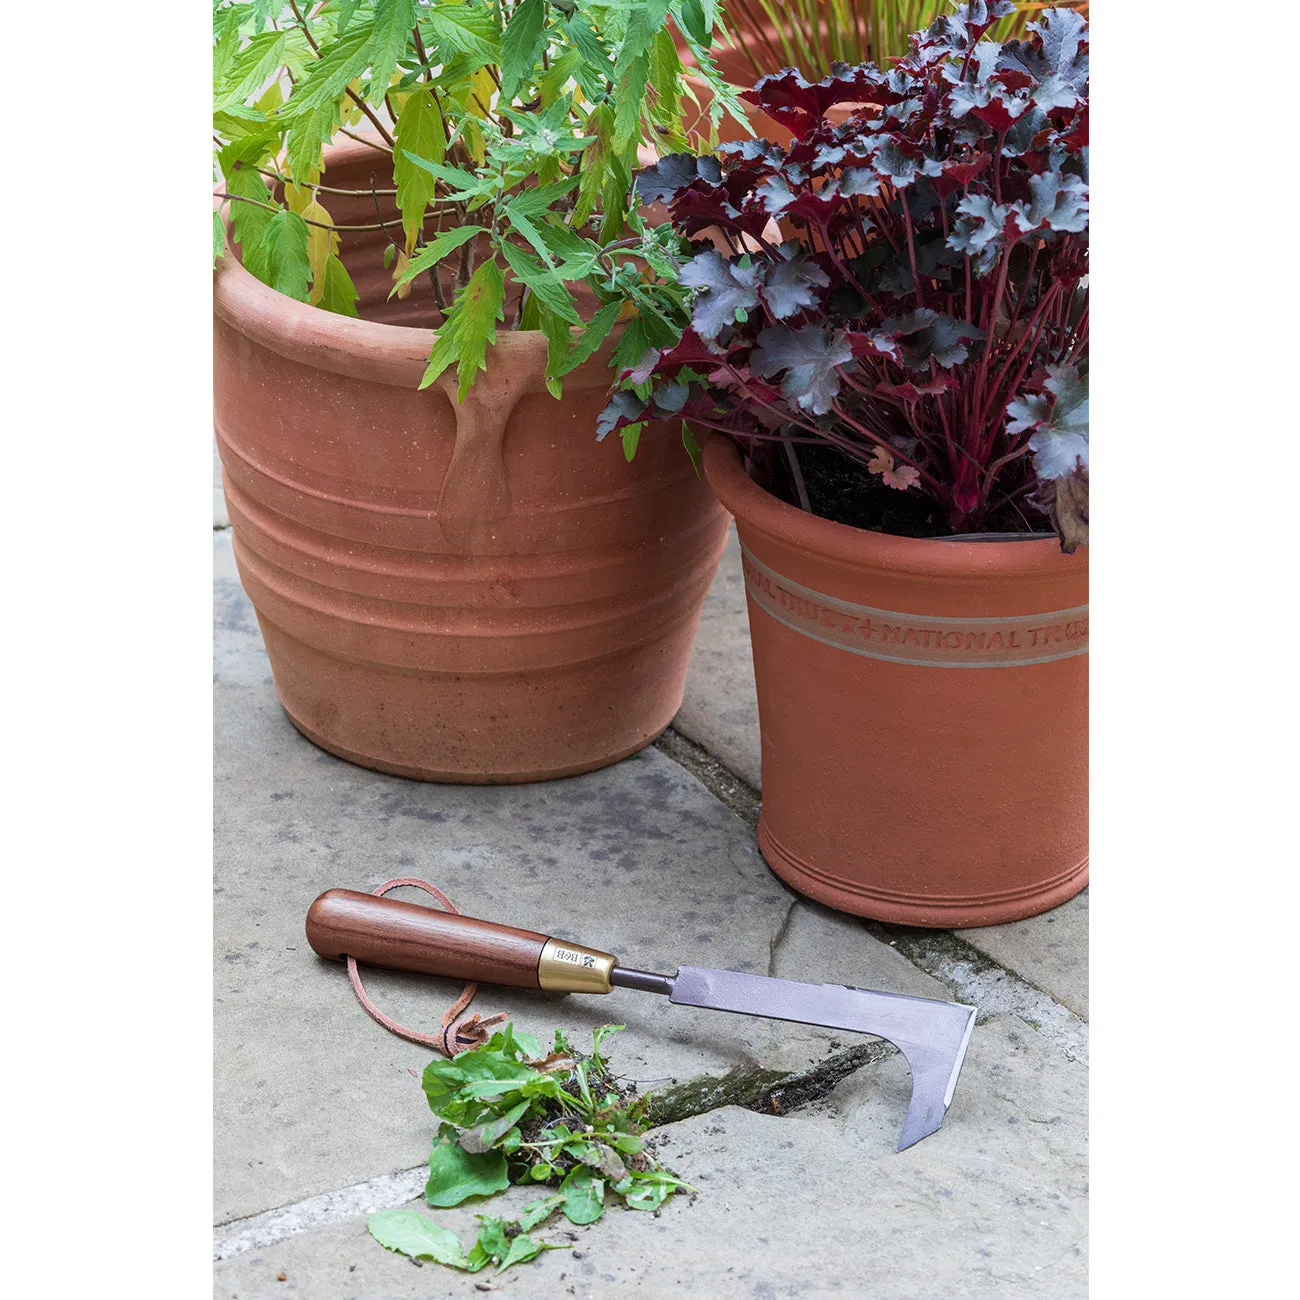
[{"x": 770, "y": 1092}]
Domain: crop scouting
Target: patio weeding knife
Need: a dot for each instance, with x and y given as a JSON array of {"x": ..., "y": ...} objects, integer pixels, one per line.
[{"x": 932, "y": 1035}]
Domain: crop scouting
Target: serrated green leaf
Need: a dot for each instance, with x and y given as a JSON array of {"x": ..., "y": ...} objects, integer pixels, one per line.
[
  {"x": 521, "y": 46},
  {"x": 522, "y": 223},
  {"x": 456, "y": 1174},
  {"x": 591, "y": 168},
  {"x": 464, "y": 338},
  {"x": 695, "y": 22},
  {"x": 340, "y": 294},
  {"x": 280, "y": 255},
  {"x": 632, "y": 346},
  {"x": 665, "y": 80},
  {"x": 346, "y": 9},
  {"x": 389, "y": 37},
  {"x": 588, "y": 42},
  {"x": 533, "y": 202},
  {"x": 306, "y": 136},
  {"x": 419, "y": 133},
  {"x": 628, "y": 102},
  {"x": 414, "y": 1235},
  {"x": 464, "y": 29},
  {"x": 433, "y": 253},
  {"x": 465, "y": 184},
  {"x": 327, "y": 78},
  {"x": 584, "y": 1195},
  {"x": 545, "y": 284},
  {"x": 263, "y": 10},
  {"x": 247, "y": 219},
  {"x": 647, "y": 18},
  {"x": 559, "y": 341},
  {"x": 251, "y": 68},
  {"x": 226, "y": 42},
  {"x": 218, "y": 237}
]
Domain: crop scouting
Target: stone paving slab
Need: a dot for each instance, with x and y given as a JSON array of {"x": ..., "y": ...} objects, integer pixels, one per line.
[
  {"x": 993, "y": 1207},
  {"x": 641, "y": 859},
  {"x": 1050, "y": 951},
  {"x": 720, "y": 708},
  {"x": 720, "y": 713}
]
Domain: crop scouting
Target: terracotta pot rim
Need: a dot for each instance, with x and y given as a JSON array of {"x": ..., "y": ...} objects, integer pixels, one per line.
[
  {"x": 359, "y": 349},
  {"x": 859, "y": 547}
]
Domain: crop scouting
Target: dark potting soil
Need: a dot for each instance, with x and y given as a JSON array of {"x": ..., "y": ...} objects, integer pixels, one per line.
[{"x": 845, "y": 491}]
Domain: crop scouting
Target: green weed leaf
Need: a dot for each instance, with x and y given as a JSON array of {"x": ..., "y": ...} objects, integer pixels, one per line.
[
  {"x": 456, "y": 1174},
  {"x": 412, "y": 1234},
  {"x": 584, "y": 1196}
]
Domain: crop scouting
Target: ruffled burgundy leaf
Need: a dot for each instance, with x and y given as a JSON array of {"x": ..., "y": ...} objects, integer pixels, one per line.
[{"x": 808, "y": 356}]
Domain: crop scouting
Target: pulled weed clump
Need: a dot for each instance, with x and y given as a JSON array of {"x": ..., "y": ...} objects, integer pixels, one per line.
[{"x": 507, "y": 1116}]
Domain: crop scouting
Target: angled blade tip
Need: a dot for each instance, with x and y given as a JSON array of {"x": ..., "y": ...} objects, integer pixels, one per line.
[{"x": 925, "y": 1111}]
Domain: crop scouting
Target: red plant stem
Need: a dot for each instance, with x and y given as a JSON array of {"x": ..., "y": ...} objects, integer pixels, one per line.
[
  {"x": 911, "y": 251},
  {"x": 1023, "y": 296},
  {"x": 1000, "y": 464},
  {"x": 1034, "y": 332}
]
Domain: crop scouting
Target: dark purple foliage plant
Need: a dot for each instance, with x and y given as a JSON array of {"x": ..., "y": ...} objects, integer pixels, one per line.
[{"x": 908, "y": 285}]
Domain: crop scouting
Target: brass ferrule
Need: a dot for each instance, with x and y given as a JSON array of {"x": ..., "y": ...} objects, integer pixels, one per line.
[{"x": 570, "y": 968}]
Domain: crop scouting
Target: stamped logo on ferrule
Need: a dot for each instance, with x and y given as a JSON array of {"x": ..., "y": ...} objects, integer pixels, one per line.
[{"x": 1011, "y": 642}]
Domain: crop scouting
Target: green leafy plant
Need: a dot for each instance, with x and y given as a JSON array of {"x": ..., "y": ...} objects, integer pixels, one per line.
[
  {"x": 811, "y": 35},
  {"x": 510, "y": 129},
  {"x": 507, "y": 1117}
]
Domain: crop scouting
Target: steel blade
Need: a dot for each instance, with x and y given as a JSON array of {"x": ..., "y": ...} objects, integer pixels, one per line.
[{"x": 932, "y": 1035}]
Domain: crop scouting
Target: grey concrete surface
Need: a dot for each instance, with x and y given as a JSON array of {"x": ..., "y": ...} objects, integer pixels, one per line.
[
  {"x": 638, "y": 859},
  {"x": 720, "y": 709},
  {"x": 814, "y": 1204},
  {"x": 1050, "y": 951}
]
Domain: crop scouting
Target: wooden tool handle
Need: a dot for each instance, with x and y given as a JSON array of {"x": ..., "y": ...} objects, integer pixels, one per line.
[{"x": 407, "y": 936}]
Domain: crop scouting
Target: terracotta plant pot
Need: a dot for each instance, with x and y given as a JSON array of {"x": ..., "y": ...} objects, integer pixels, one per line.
[
  {"x": 923, "y": 710},
  {"x": 476, "y": 593}
]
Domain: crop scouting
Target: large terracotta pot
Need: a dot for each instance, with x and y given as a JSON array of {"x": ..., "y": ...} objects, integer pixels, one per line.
[
  {"x": 923, "y": 710},
  {"x": 476, "y": 593}
]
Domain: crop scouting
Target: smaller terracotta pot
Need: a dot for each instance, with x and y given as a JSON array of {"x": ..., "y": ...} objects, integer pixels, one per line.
[{"x": 923, "y": 713}]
